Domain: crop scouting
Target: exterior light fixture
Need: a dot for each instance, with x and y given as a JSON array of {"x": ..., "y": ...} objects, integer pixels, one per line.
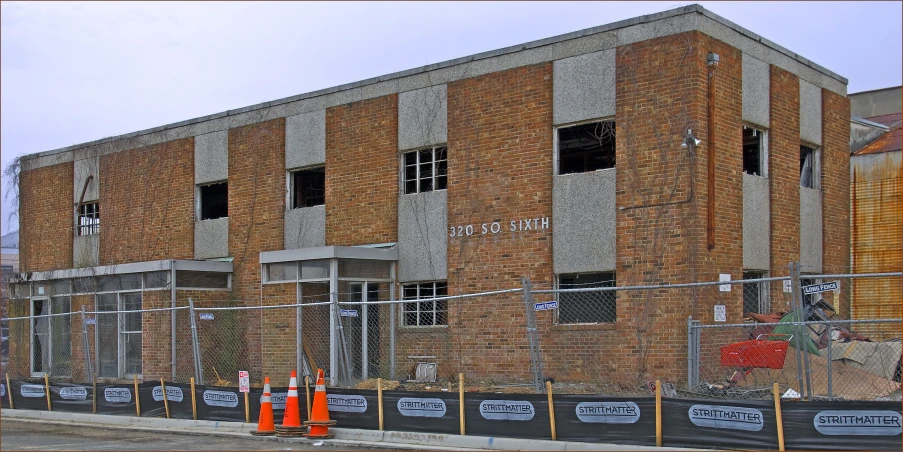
[
  {"x": 712, "y": 59},
  {"x": 690, "y": 139}
]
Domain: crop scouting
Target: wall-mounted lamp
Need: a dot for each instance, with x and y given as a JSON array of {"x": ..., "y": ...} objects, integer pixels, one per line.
[
  {"x": 712, "y": 59},
  {"x": 690, "y": 139}
]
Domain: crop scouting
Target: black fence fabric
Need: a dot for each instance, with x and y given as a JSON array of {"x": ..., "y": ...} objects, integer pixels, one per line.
[
  {"x": 842, "y": 425},
  {"x": 433, "y": 412},
  {"x": 116, "y": 399},
  {"x": 4, "y": 395},
  {"x": 220, "y": 404},
  {"x": 72, "y": 397},
  {"x": 727, "y": 424},
  {"x": 178, "y": 396},
  {"x": 513, "y": 415},
  {"x": 29, "y": 395},
  {"x": 594, "y": 418},
  {"x": 351, "y": 408}
]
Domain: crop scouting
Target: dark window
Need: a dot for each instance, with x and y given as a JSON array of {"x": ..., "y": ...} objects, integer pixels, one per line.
[
  {"x": 808, "y": 175},
  {"x": 308, "y": 187},
  {"x": 88, "y": 219},
  {"x": 425, "y": 170},
  {"x": 586, "y": 147},
  {"x": 753, "y": 155},
  {"x": 426, "y": 312},
  {"x": 587, "y": 307},
  {"x": 755, "y": 294},
  {"x": 202, "y": 280},
  {"x": 214, "y": 201}
]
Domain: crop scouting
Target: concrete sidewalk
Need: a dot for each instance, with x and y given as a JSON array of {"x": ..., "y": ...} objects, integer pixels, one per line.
[{"x": 372, "y": 438}]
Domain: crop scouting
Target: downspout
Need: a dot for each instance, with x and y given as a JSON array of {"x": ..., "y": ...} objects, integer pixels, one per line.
[{"x": 711, "y": 62}]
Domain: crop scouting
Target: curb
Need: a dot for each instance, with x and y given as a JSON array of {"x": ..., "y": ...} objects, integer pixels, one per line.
[{"x": 374, "y": 438}]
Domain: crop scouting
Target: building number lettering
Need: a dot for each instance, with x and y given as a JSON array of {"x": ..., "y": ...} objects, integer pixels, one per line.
[{"x": 495, "y": 227}]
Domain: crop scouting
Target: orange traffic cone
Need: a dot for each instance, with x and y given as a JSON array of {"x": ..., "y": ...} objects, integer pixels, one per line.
[
  {"x": 265, "y": 425},
  {"x": 319, "y": 416},
  {"x": 291, "y": 421}
]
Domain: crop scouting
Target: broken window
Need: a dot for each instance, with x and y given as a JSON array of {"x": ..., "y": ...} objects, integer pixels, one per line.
[
  {"x": 88, "y": 219},
  {"x": 586, "y": 147},
  {"x": 808, "y": 167},
  {"x": 587, "y": 307},
  {"x": 754, "y": 151},
  {"x": 755, "y": 293},
  {"x": 425, "y": 170},
  {"x": 308, "y": 187},
  {"x": 214, "y": 200},
  {"x": 427, "y": 311}
]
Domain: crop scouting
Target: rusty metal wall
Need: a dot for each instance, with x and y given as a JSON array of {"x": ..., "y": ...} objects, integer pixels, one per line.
[{"x": 877, "y": 233}]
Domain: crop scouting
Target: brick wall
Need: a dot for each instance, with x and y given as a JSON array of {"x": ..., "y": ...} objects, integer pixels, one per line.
[
  {"x": 835, "y": 184},
  {"x": 362, "y": 172},
  {"x": 784, "y": 174},
  {"x": 499, "y": 168},
  {"x": 147, "y": 203},
  {"x": 47, "y": 218}
]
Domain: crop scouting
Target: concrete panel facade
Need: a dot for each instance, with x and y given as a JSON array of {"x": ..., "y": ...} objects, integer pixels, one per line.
[
  {"x": 810, "y": 113},
  {"x": 810, "y": 230},
  {"x": 584, "y": 87},
  {"x": 211, "y": 238},
  {"x": 82, "y": 169},
  {"x": 305, "y": 139},
  {"x": 423, "y": 117},
  {"x": 305, "y": 227},
  {"x": 756, "y": 223},
  {"x": 86, "y": 251},
  {"x": 756, "y": 79},
  {"x": 583, "y": 217},
  {"x": 211, "y": 157},
  {"x": 422, "y": 236}
]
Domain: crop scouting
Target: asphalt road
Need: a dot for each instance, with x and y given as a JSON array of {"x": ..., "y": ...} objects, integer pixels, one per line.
[{"x": 26, "y": 435}]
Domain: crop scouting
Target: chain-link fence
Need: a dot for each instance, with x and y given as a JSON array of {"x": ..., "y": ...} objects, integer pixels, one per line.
[{"x": 587, "y": 335}]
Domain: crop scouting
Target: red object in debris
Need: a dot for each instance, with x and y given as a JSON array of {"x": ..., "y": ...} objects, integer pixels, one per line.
[{"x": 755, "y": 353}]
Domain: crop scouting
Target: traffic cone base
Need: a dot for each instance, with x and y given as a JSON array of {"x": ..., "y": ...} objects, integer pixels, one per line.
[
  {"x": 319, "y": 416},
  {"x": 265, "y": 425}
]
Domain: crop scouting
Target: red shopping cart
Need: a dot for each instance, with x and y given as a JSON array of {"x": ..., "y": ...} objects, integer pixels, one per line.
[{"x": 757, "y": 353}]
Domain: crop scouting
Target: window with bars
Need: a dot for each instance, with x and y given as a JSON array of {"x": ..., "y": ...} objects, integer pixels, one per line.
[
  {"x": 425, "y": 170},
  {"x": 308, "y": 187},
  {"x": 587, "y": 307},
  {"x": 755, "y": 294},
  {"x": 420, "y": 307},
  {"x": 586, "y": 147},
  {"x": 88, "y": 219}
]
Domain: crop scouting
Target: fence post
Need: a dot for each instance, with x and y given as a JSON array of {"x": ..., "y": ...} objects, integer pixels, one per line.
[
  {"x": 87, "y": 346},
  {"x": 343, "y": 349},
  {"x": 830, "y": 360},
  {"x": 794, "y": 307},
  {"x": 692, "y": 354},
  {"x": 535, "y": 358},
  {"x": 804, "y": 329},
  {"x": 198, "y": 369}
]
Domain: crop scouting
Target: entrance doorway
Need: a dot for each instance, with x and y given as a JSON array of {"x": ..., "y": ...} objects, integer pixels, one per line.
[{"x": 362, "y": 327}]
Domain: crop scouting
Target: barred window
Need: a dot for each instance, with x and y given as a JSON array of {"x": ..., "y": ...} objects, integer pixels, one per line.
[
  {"x": 428, "y": 312},
  {"x": 89, "y": 218},
  {"x": 587, "y": 307},
  {"x": 586, "y": 147},
  {"x": 425, "y": 170},
  {"x": 755, "y": 294}
]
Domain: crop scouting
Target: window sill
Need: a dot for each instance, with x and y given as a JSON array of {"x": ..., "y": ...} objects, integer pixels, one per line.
[
  {"x": 423, "y": 328},
  {"x": 306, "y": 207},
  {"x": 424, "y": 192},
  {"x": 612, "y": 326},
  {"x": 588, "y": 172}
]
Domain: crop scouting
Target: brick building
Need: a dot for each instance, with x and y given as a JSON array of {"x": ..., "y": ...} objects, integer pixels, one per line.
[{"x": 595, "y": 157}]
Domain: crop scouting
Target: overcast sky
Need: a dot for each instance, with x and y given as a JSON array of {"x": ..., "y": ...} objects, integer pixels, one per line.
[{"x": 77, "y": 72}]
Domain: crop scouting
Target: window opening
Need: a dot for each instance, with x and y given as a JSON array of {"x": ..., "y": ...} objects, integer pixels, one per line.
[
  {"x": 88, "y": 219},
  {"x": 755, "y": 294},
  {"x": 428, "y": 312},
  {"x": 586, "y": 147},
  {"x": 587, "y": 307},
  {"x": 214, "y": 199},
  {"x": 425, "y": 170},
  {"x": 753, "y": 151},
  {"x": 808, "y": 167},
  {"x": 308, "y": 187}
]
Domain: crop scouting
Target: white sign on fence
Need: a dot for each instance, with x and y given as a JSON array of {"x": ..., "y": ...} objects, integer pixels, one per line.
[
  {"x": 91, "y": 321},
  {"x": 244, "y": 381},
  {"x": 818, "y": 288},
  {"x": 349, "y": 312},
  {"x": 787, "y": 286},
  {"x": 205, "y": 316}
]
